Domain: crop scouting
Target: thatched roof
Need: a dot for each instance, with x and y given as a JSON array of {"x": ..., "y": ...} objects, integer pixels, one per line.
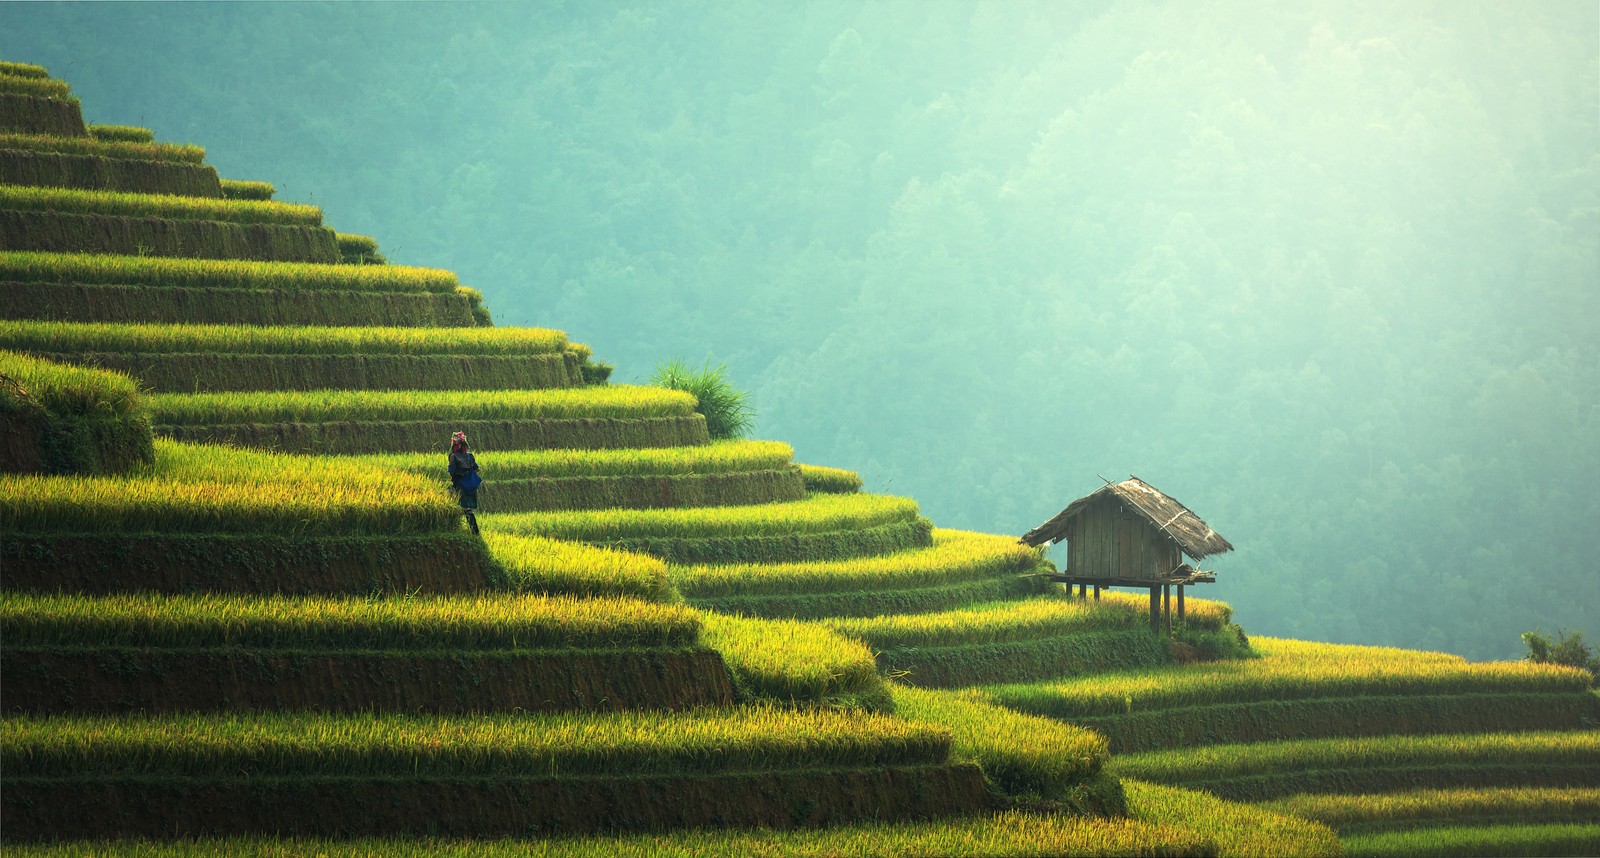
[{"x": 1194, "y": 536}]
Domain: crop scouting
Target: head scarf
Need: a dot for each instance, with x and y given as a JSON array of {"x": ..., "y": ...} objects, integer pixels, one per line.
[{"x": 458, "y": 442}]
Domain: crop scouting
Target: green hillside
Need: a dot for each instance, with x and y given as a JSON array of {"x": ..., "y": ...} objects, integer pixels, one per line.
[{"x": 243, "y": 614}]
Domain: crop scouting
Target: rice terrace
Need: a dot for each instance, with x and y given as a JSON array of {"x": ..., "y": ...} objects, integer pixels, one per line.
[{"x": 242, "y": 612}]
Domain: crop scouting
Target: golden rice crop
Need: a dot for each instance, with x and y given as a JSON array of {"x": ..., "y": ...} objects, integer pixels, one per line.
[
  {"x": 1024, "y": 754},
  {"x": 1238, "y": 829},
  {"x": 171, "y": 152},
  {"x": 1216, "y": 762},
  {"x": 1488, "y": 841},
  {"x": 103, "y": 268},
  {"x": 119, "y": 338},
  {"x": 29, "y": 198},
  {"x": 999, "y": 835},
  {"x": 480, "y": 622},
  {"x": 1386, "y": 810},
  {"x": 624, "y": 743},
  {"x": 242, "y": 189},
  {"x": 22, "y": 69},
  {"x": 534, "y": 564},
  {"x": 195, "y": 488},
  {"x": 955, "y": 556},
  {"x": 717, "y": 457},
  {"x": 328, "y": 406},
  {"x": 1207, "y": 613},
  {"x": 126, "y": 133},
  {"x": 1288, "y": 670},
  {"x": 790, "y": 660},
  {"x": 815, "y": 514},
  {"x": 824, "y": 479},
  {"x": 65, "y": 390}
]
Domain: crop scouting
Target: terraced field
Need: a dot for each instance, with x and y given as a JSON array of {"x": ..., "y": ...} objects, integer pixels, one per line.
[{"x": 239, "y": 600}]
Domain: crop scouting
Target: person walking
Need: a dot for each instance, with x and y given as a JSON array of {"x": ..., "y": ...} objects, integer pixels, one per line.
[{"x": 464, "y": 479}]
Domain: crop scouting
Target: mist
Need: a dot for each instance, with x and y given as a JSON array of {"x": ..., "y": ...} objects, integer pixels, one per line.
[{"x": 1326, "y": 272}]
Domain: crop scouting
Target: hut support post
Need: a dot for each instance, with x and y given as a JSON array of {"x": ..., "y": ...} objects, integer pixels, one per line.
[
  {"x": 1166, "y": 605},
  {"x": 1097, "y": 592},
  {"x": 1180, "y": 603},
  {"x": 1083, "y": 591},
  {"x": 1155, "y": 610}
]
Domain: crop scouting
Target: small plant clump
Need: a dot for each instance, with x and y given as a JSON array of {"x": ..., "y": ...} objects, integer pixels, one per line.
[
  {"x": 728, "y": 411},
  {"x": 1568, "y": 649}
]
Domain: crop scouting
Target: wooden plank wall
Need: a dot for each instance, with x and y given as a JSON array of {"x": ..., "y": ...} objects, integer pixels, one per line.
[{"x": 1108, "y": 540}]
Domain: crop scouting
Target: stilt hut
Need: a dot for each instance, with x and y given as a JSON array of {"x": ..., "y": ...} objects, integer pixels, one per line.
[{"x": 1129, "y": 534}]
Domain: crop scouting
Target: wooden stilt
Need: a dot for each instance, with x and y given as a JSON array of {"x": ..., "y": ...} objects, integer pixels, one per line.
[
  {"x": 1083, "y": 591},
  {"x": 1180, "y": 603},
  {"x": 1155, "y": 610},
  {"x": 1166, "y": 600},
  {"x": 1097, "y": 592}
]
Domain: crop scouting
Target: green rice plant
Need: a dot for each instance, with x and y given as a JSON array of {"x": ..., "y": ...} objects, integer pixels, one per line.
[
  {"x": 1237, "y": 829},
  {"x": 1198, "y": 613},
  {"x": 613, "y": 744},
  {"x": 312, "y": 623},
  {"x": 122, "y": 133},
  {"x": 70, "y": 302},
  {"x": 39, "y": 87},
  {"x": 1023, "y": 755},
  {"x": 533, "y": 564},
  {"x": 718, "y": 457},
  {"x": 193, "y": 489},
  {"x": 115, "y": 338},
  {"x": 955, "y": 556},
  {"x": 815, "y": 514},
  {"x": 156, "y": 205},
  {"x": 241, "y": 189},
  {"x": 28, "y": 266},
  {"x": 371, "y": 405},
  {"x": 1288, "y": 670},
  {"x": 1216, "y": 763},
  {"x": 66, "y": 419},
  {"x": 1491, "y": 841},
  {"x": 651, "y": 492},
  {"x": 1352, "y": 814},
  {"x": 181, "y": 153},
  {"x": 795, "y": 662},
  {"x": 1005, "y": 834},
  {"x": 821, "y": 479},
  {"x": 11, "y": 69},
  {"x": 728, "y": 411}
]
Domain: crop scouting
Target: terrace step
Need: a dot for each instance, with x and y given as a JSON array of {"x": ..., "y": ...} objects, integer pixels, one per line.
[
  {"x": 31, "y": 114},
  {"x": 68, "y": 232},
  {"x": 1269, "y": 770},
  {"x": 959, "y": 568},
  {"x": 79, "y": 302},
  {"x": 1301, "y": 685},
  {"x": 1417, "y": 809},
  {"x": 151, "y": 653},
  {"x": 420, "y": 436},
  {"x": 1022, "y": 640},
  {"x": 819, "y": 527},
  {"x": 219, "y": 372},
  {"x": 319, "y": 775},
  {"x": 101, "y": 173}
]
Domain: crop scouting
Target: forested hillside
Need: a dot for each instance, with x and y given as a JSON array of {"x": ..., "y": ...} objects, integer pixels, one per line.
[{"x": 1327, "y": 271}]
